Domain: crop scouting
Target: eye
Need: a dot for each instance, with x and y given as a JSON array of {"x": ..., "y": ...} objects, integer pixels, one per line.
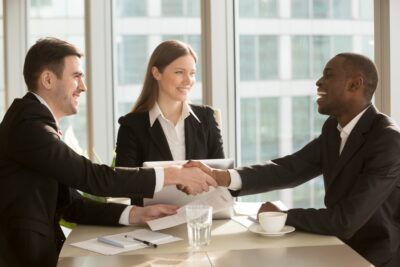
[{"x": 179, "y": 72}]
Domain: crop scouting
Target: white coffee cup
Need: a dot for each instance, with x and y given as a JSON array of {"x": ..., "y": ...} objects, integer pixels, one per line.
[{"x": 272, "y": 221}]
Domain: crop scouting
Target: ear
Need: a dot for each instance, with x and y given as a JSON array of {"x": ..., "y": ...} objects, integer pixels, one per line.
[
  {"x": 46, "y": 79},
  {"x": 156, "y": 73},
  {"x": 356, "y": 83}
]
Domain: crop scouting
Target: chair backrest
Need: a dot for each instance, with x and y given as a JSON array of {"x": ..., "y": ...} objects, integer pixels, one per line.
[{"x": 217, "y": 117}]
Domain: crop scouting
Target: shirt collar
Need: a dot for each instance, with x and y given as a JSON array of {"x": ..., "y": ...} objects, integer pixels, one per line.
[
  {"x": 41, "y": 100},
  {"x": 350, "y": 126},
  {"x": 156, "y": 112}
]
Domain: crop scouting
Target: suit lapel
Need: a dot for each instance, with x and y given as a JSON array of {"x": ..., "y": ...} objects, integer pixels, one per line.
[
  {"x": 191, "y": 130},
  {"x": 355, "y": 140},
  {"x": 333, "y": 148},
  {"x": 158, "y": 137}
]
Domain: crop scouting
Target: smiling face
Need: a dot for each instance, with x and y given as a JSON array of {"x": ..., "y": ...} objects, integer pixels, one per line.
[
  {"x": 334, "y": 94},
  {"x": 177, "y": 79},
  {"x": 66, "y": 91}
]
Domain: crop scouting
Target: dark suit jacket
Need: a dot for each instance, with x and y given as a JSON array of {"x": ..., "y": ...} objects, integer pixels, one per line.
[
  {"x": 36, "y": 172},
  {"x": 137, "y": 142},
  {"x": 362, "y": 185}
]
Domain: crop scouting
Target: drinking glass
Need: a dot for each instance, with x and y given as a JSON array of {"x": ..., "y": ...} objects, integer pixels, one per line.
[{"x": 199, "y": 220}]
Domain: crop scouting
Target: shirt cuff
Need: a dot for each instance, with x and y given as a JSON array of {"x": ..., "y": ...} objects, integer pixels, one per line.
[
  {"x": 236, "y": 180},
  {"x": 159, "y": 179},
  {"x": 124, "y": 218}
]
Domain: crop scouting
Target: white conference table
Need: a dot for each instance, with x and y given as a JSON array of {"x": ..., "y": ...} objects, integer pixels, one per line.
[{"x": 231, "y": 245}]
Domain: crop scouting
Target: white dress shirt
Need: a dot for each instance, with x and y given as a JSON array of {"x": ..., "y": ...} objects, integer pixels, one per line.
[
  {"x": 124, "y": 218},
  {"x": 346, "y": 130},
  {"x": 175, "y": 134},
  {"x": 236, "y": 180}
]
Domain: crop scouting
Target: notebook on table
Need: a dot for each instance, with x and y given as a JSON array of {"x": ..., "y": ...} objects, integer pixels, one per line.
[{"x": 171, "y": 195}]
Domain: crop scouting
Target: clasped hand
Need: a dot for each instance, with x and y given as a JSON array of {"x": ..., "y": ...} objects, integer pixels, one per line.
[{"x": 217, "y": 176}]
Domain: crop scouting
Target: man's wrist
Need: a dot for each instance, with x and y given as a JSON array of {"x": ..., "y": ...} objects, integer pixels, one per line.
[
  {"x": 170, "y": 175},
  {"x": 222, "y": 177}
]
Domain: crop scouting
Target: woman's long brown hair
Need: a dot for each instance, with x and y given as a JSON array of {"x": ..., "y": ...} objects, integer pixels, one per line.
[{"x": 163, "y": 55}]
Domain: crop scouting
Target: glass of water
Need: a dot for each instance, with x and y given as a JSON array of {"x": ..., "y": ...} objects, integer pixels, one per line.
[{"x": 199, "y": 220}]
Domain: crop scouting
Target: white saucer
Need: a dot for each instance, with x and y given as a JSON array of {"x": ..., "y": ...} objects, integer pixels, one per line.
[{"x": 257, "y": 229}]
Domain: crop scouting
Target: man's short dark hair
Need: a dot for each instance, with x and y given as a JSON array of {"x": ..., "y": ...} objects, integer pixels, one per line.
[
  {"x": 356, "y": 62},
  {"x": 47, "y": 53}
]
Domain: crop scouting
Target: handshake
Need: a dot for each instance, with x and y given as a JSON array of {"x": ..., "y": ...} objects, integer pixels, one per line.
[{"x": 194, "y": 177}]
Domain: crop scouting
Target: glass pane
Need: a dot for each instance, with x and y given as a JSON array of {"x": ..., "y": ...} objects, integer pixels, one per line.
[
  {"x": 247, "y": 8},
  {"x": 366, "y": 12},
  {"x": 248, "y": 57},
  {"x": 300, "y": 8},
  {"x": 193, "y": 8},
  {"x": 276, "y": 91},
  {"x": 131, "y": 8},
  {"x": 268, "y": 49},
  {"x": 172, "y": 8},
  {"x": 136, "y": 36},
  {"x": 63, "y": 19},
  {"x": 341, "y": 43},
  {"x": 301, "y": 57},
  {"x": 258, "y": 8},
  {"x": 320, "y": 8},
  {"x": 2, "y": 93},
  {"x": 320, "y": 54},
  {"x": 268, "y": 8},
  {"x": 341, "y": 9}
]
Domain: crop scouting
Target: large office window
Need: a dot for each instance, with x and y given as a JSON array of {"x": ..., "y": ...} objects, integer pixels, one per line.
[
  {"x": 139, "y": 27},
  {"x": 276, "y": 93},
  {"x": 2, "y": 92},
  {"x": 62, "y": 19},
  {"x": 322, "y": 9}
]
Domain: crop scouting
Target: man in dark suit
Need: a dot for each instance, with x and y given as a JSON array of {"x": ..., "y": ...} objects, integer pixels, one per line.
[
  {"x": 358, "y": 154},
  {"x": 37, "y": 170}
]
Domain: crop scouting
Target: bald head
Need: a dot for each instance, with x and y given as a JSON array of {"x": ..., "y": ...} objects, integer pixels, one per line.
[{"x": 355, "y": 64}]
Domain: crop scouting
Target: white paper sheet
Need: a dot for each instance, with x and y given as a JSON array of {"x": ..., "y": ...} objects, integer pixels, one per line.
[
  {"x": 219, "y": 199},
  {"x": 107, "y": 249}
]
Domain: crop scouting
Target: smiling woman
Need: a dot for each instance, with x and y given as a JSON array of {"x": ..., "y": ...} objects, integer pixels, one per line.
[{"x": 178, "y": 130}]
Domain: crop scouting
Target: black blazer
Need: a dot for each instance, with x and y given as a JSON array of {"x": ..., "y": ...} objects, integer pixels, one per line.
[
  {"x": 362, "y": 185},
  {"x": 137, "y": 142},
  {"x": 36, "y": 172}
]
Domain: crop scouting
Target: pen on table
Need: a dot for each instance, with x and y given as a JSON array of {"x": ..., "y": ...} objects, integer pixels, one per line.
[{"x": 142, "y": 241}]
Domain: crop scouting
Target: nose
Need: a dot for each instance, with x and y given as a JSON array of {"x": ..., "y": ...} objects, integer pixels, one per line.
[
  {"x": 188, "y": 79},
  {"x": 318, "y": 82},
  {"x": 82, "y": 85}
]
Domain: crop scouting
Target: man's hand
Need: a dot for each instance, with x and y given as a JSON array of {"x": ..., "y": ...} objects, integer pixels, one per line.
[
  {"x": 193, "y": 179},
  {"x": 139, "y": 215},
  {"x": 267, "y": 206},
  {"x": 222, "y": 177}
]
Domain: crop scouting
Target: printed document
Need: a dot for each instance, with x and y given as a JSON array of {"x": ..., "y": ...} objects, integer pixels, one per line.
[{"x": 219, "y": 199}]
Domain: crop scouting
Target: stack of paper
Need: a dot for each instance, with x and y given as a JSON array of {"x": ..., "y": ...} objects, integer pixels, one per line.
[
  {"x": 219, "y": 199},
  {"x": 114, "y": 244}
]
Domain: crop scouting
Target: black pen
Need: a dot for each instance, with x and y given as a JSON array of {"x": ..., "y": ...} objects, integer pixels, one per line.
[{"x": 142, "y": 241}]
